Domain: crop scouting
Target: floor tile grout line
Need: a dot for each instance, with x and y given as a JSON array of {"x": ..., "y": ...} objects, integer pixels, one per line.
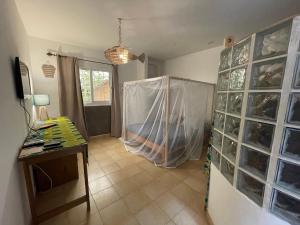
[{"x": 142, "y": 170}]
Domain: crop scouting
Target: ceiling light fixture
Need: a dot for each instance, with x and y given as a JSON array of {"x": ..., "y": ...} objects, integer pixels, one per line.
[{"x": 120, "y": 54}]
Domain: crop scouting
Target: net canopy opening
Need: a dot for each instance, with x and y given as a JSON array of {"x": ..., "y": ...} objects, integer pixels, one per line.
[{"x": 165, "y": 118}]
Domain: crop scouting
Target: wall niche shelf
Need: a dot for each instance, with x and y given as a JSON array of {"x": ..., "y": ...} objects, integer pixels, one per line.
[{"x": 256, "y": 135}]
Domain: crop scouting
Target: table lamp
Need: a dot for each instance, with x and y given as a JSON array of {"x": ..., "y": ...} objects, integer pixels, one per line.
[{"x": 41, "y": 101}]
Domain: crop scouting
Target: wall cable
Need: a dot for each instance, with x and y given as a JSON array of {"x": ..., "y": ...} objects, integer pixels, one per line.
[{"x": 49, "y": 178}]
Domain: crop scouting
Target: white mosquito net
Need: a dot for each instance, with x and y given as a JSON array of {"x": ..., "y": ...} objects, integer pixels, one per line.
[{"x": 164, "y": 118}]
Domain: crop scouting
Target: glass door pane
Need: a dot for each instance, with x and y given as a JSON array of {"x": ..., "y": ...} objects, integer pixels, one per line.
[
  {"x": 259, "y": 134},
  {"x": 263, "y": 105},
  {"x": 232, "y": 126},
  {"x": 273, "y": 42},
  {"x": 227, "y": 169},
  {"x": 229, "y": 149},
  {"x": 235, "y": 101},
  {"x": 294, "y": 109},
  {"x": 251, "y": 187},
  {"x": 101, "y": 86},
  {"x": 240, "y": 53},
  {"x": 288, "y": 176},
  {"x": 237, "y": 79},
  {"x": 255, "y": 162},
  {"x": 225, "y": 59},
  {"x": 286, "y": 207},
  {"x": 268, "y": 75},
  {"x": 291, "y": 144},
  {"x": 85, "y": 84}
]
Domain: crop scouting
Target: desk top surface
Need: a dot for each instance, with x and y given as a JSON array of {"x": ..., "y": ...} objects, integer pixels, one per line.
[{"x": 64, "y": 131}]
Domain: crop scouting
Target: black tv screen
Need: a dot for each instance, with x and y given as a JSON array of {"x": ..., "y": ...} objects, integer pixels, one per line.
[{"x": 23, "y": 87}]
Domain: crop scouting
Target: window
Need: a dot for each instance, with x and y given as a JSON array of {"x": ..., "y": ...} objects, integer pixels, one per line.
[{"x": 95, "y": 87}]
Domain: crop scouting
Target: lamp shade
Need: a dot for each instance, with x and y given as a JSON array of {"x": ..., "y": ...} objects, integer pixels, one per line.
[
  {"x": 117, "y": 55},
  {"x": 41, "y": 100}
]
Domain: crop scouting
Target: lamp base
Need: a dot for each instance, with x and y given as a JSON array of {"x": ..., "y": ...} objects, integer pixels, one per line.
[{"x": 43, "y": 113}]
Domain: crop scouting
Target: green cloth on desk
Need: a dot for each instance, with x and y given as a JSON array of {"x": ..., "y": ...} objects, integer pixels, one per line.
[{"x": 64, "y": 131}]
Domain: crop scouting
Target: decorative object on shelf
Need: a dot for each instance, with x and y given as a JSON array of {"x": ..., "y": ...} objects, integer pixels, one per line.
[
  {"x": 41, "y": 101},
  {"x": 120, "y": 54},
  {"x": 257, "y": 148},
  {"x": 48, "y": 70}
]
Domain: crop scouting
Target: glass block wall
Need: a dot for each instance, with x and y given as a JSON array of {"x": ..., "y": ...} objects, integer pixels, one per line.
[{"x": 256, "y": 136}]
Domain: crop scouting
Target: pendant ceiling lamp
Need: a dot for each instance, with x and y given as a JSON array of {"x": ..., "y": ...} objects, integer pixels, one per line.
[{"x": 120, "y": 54}]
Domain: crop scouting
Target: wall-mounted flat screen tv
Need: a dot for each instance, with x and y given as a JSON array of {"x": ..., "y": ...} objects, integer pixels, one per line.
[{"x": 23, "y": 86}]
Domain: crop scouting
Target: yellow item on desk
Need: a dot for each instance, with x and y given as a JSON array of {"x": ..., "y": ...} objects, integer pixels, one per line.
[{"x": 64, "y": 131}]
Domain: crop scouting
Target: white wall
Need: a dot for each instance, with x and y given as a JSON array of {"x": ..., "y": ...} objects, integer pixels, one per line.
[
  {"x": 134, "y": 70},
  {"x": 127, "y": 72},
  {"x": 141, "y": 69},
  {"x": 43, "y": 85},
  {"x": 155, "y": 67},
  {"x": 13, "y": 42},
  {"x": 202, "y": 66},
  {"x": 227, "y": 206}
]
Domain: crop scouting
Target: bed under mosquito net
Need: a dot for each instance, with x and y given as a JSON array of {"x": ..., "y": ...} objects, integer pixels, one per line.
[{"x": 164, "y": 119}]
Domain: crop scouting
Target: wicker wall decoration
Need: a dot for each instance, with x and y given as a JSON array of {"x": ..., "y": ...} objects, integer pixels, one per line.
[{"x": 48, "y": 70}]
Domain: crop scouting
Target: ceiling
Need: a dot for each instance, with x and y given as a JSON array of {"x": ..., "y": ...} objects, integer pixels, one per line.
[{"x": 162, "y": 29}]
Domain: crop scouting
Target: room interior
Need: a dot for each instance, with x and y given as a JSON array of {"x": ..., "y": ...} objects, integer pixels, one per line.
[{"x": 150, "y": 112}]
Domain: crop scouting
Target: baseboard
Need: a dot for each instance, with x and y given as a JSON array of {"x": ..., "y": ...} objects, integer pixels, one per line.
[
  {"x": 100, "y": 135},
  {"x": 210, "y": 222}
]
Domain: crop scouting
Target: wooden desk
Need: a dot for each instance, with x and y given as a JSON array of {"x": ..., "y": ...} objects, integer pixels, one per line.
[{"x": 72, "y": 143}]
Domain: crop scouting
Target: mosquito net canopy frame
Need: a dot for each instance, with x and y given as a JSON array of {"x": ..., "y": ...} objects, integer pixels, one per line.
[{"x": 165, "y": 118}]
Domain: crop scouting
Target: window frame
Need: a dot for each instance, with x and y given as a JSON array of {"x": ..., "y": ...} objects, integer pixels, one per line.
[{"x": 97, "y": 103}]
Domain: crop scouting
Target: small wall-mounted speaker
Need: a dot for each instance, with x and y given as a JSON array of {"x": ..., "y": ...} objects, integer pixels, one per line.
[{"x": 228, "y": 41}]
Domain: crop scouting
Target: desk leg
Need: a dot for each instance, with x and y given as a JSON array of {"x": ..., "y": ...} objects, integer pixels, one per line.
[
  {"x": 86, "y": 179},
  {"x": 30, "y": 193}
]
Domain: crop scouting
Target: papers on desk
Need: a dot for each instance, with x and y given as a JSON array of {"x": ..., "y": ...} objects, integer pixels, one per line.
[{"x": 29, "y": 151}]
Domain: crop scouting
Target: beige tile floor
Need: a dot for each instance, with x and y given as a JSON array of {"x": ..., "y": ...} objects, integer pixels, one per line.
[{"x": 129, "y": 190}]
